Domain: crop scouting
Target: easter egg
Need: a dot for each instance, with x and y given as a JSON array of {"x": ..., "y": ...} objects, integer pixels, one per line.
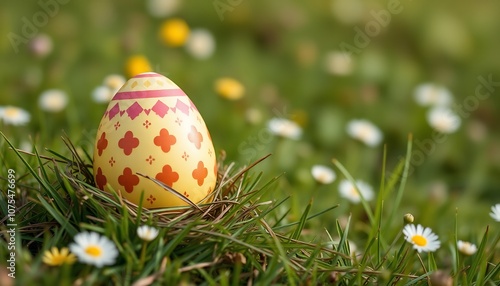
[{"x": 152, "y": 129}]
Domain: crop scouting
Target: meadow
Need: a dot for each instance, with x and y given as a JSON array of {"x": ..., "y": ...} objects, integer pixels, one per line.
[{"x": 356, "y": 142}]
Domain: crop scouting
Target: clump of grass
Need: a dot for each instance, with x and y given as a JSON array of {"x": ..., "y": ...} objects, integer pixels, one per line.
[{"x": 238, "y": 239}]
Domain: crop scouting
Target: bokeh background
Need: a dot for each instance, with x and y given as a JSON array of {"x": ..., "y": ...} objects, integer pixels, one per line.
[{"x": 288, "y": 57}]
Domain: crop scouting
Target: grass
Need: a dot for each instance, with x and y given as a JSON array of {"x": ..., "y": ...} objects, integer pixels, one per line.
[{"x": 240, "y": 238}]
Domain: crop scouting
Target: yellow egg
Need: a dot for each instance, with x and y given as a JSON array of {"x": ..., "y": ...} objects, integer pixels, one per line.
[{"x": 151, "y": 127}]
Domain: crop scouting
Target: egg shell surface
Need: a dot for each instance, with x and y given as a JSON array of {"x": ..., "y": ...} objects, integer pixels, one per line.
[{"x": 151, "y": 127}]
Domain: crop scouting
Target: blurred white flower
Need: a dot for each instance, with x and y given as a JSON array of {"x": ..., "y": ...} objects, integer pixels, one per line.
[
  {"x": 348, "y": 191},
  {"x": 41, "y": 45},
  {"x": 53, "y": 100},
  {"x": 466, "y": 248},
  {"x": 323, "y": 174},
  {"x": 365, "y": 131},
  {"x": 443, "y": 119},
  {"x": 338, "y": 63},
  {"x": 429, "y": 94},
  {"x": 114, "y": 82},
  {"x": 495, "y": 212},
  {"x": 162, "y": 8},
  {"x": 92, "y": 248},
  {"x": 253, "y": 116},
  {"x": 12, "y": 115},
  {"x": 147, "y": 233},
  {"x": 102, "y": 94},
  {"x": 200, "y": 43},
  {"x": 284, "y": 128}
]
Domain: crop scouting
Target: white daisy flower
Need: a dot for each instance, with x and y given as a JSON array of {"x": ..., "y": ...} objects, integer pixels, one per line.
[
  {"x": 495, "y": 212},
  {"x": 364, "y": 131},
  {"x": 200, "y": 44},
  {"x": 423, "y": 239},
  {"x": 323, "y": 174},
  {"x": 443, "y": 119},
  {"x": 429, "y": 94},
  {"x": 284, "y": 128},
  {"x": 147, "y": 233},
  {"x": 466, "y": 248},
  {"x": 53, "y": 100},
  {"x": 162, "y": 8},
  {"x": 338, "y": 63},
  {"x": 12, "y": 115},
  {"x": 92, "y": 248},
  {"x": 114, "y": 82},
  {"x": 348, "y": 191},
  {"x": 102, "y": 94}
]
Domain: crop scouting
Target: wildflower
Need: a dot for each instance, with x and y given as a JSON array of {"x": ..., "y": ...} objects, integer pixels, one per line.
[
  {"x": 53, "y": 100},
  {"x": 364, "y": 131},
  {"x": 323, "y": 174},
  {"x": 200, "y": 44},
  {"x": 54, "y": 257},
  {"x": 408, "y": 218},
  {"x": 466, "y": 248},
  {"x": 284, "y": 128},
  {"x": 348, "y": 191},
  {"x": 102, "y": 94},
  {"x": 137, "y": 64},
  {"x": 91, "y": 248},
  {"x": 229, "y": 88},
  {"x": 495, "y": 212},
  {"x": 443, "y": 120},
  {"x": 338, "y": 63},
  {"x": 162, "y": 8},
  {"x": 423, "y": 239},
  {"x": 14, "y": 115},
  {"x": 174, "y": 32},
  {"x": 41, "y": 45},
  {"x": 429, "y": 94},
  {"x": 147, "y": 233},
  {"x": 114, "y": 82}
]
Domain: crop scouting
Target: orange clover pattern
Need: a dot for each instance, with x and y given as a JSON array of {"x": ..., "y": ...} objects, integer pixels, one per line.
[
  {"x": 100, "y": 179},
  {"x": 164, "y": 140},
  {"x": 200, "y": 173},
  {"x": 128, "y": 180},
  {"x": 128, "y": 143},
  {"x": 195, "y": 137},
  {"x": 167, "y": 176},
  {"x": 102, "y": 143}
]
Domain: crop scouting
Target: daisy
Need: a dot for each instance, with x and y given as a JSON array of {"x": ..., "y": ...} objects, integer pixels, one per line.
[
  {"x": 137, "y": 64},
  {"x": 364, "y": 131},
  {"x": 284, "y": 128},
  {"x": 54, "y": 257},
  {"x": 423, "y": 239},
  {"x": 348, "y": 191},
  {"x": 466, "y": 248},
  {"x": 14, "y": 115},
  {"x": 91, "y": 248},
  {"x": 147, "y": 233},
  {"x": 162, "y": 8},
  {"x": 174, "y": 32},
  {"x": 53, "y": 100},
  {"x": 102, "y": 94},
  {"x": 443, "y": 119},
  {"x": 338, "y": 63},
  {"x": 495, "y": 212},
  {"x": 200, "y": 43},
  {"x": 429, "y": 94},
  {"x": 114, "y": 82},
  {"x": 229, "y": 88},
  {"x": 323, "y": 174},
  {"x": 41, "y": 45}
]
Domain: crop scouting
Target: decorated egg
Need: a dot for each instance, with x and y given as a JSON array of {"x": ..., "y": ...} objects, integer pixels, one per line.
[{"x": 152, "y": 129}]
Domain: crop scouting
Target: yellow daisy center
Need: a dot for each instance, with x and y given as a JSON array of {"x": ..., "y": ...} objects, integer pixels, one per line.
[
  {"x": 93, "y": 250},
  {"x": 419, "y": 240},
  {"x": 11, "y": 112}
]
